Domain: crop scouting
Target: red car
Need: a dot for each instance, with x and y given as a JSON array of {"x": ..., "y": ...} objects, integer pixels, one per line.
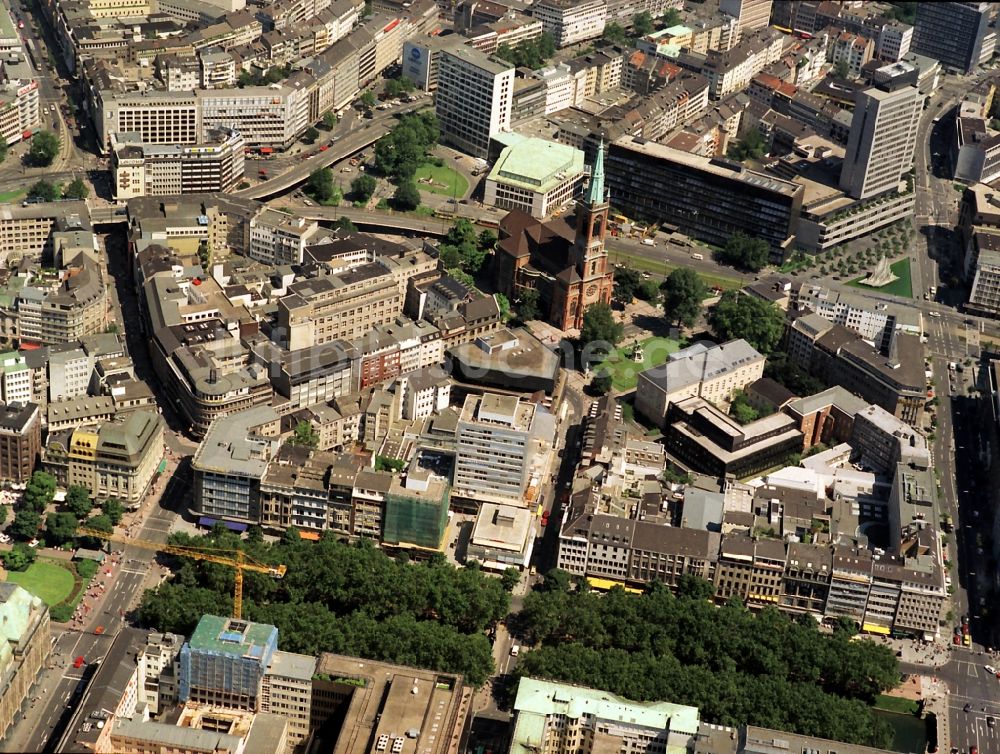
[
  {"x": 973, "y": 750},
  {"x": 79, "y": 662}
]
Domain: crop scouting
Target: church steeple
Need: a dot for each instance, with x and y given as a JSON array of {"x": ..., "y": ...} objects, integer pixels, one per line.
[{"x": 595, "y": 193}]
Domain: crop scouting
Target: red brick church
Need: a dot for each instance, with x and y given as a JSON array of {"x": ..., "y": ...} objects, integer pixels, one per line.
[{"x": 566, "y": 264}]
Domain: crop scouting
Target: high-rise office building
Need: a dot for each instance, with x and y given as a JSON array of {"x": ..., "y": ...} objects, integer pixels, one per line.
[
  {"x": 752, "y": 14},
  {"x": 883, "y": 133},
  {"x": 957, "y": 34},
  {"x": 474, "y": 97}
]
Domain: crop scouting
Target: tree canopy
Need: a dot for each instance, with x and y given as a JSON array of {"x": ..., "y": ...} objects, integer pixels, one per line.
[
  {"x": 683, "y": 294},
  {"x": 321, "y": 187},
  {"x": 305, "y": 435},
  {"x": 25, "y": 525},
  {"x": 400, "y": 152},
  {"x": 527, "y": 304},
  {"x": 76, "y": 189},
  {"x": 351, "y": 599},
  {"x": 746, "y": 253},
  {"x": 599, "y": 324},
  {"x": 363, "y": 187},
  {"x": 345, "y": 224},
  {"x": 19, "y": 557},
  {"x": 39, "y": 491},
  {"x": 531, "y": 53},
  {"x": 45, "y": 191},
  {"x": 462, "y": 248},
  {"x": 396, "y": 87},
  {"x": 751, "y": 146},
  {"x": 112, "y": 508},
  {"x": 60, "y": 528},
  {"x": 781, "y": 368},
  {"x": 737, "y": 667},
  {"x": 627, "y": 282},
  {"x": 760, "y": 323},
  {"x": 406, "y": 196},
  {"x": 78, "y": 501},
  {"x": 44, "y": 149}
]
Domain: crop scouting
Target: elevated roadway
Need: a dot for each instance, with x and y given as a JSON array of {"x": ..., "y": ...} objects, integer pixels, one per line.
[{"x": 354, "y": 140}]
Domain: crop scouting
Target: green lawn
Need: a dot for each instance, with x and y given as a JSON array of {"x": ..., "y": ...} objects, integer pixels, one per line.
[
  {"x": 12, "y": 196},
  {"x": 662, "y": 269},
  {"x": 897, "y": 704},
  {"x": 625, "y": 372},
  {"x": 443, "y": 180},
  {"x": 900, "y": 287},
  {"x": 46, "y": 579}
]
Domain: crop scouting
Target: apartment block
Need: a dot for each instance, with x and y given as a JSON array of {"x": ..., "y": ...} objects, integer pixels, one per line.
[
  {"x": 707, "y": 199},
  {"x": 702, "y": 370},
  {"x": 235, "y": 664},
  {"x": 895, "y": 382},
  {"x": 278, "y": 238},
  {"x": 597, "y": 545},
  {"x": 16, "y": 378},
  {"x": 571, "y": 22},
  {"x": 732, "y": 70},
  {"x": 894, "y": 41},
  {"x": 853, "y": 50},
  {"x": 826, "y": 417},
  {"x": 957, "y": 34},
  {"x": 474, "y": 98},
  {"x": 20, "y": 441},
  {"x": 139, "y": 169}
]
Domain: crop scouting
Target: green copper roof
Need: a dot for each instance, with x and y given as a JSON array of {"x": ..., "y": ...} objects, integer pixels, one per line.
[
  {"x": 595, "y": 194},
  {"x": 538, "y": 699}
]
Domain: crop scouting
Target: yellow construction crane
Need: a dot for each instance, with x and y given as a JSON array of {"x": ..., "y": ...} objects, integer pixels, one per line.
[{"x": 235, "y": 559}]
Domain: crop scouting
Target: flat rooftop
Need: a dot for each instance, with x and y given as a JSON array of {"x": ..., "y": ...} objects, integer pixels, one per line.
[
  {"x": 721, "y": 168},
  {"x": 425, "y": 709}
]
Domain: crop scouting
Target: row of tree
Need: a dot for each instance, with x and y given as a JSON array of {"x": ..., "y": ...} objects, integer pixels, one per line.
[
  {"x": 531, "y": 53},
  {"x": 736, "y": 666},
  {"x": 33, "y": 520},
  {"x": 46, "y": 191},
  {"x": 343, "y": 598}
]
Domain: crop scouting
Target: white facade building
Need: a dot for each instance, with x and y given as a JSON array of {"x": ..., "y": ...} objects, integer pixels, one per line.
[
  {"x": 883, "y": 135},
  {"x": 474, "y": 98},
  {"x": 280, "y": 238},
  {"x": 570, "y": 22}
]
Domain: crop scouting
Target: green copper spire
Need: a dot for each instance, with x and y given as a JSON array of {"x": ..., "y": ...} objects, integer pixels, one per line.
[{"x": 595, "y": 194}]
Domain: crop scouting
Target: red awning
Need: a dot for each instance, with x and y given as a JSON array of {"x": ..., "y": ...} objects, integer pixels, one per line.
[{"x": 266, "y": 150}]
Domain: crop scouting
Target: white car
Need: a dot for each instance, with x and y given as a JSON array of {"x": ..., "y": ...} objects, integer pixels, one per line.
[
  {"x": 4, "y": 538},
  {"x": 934, "y": 314},
  {"x": 990, "y": 669},
  {"x": 33, "y": 543}
]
